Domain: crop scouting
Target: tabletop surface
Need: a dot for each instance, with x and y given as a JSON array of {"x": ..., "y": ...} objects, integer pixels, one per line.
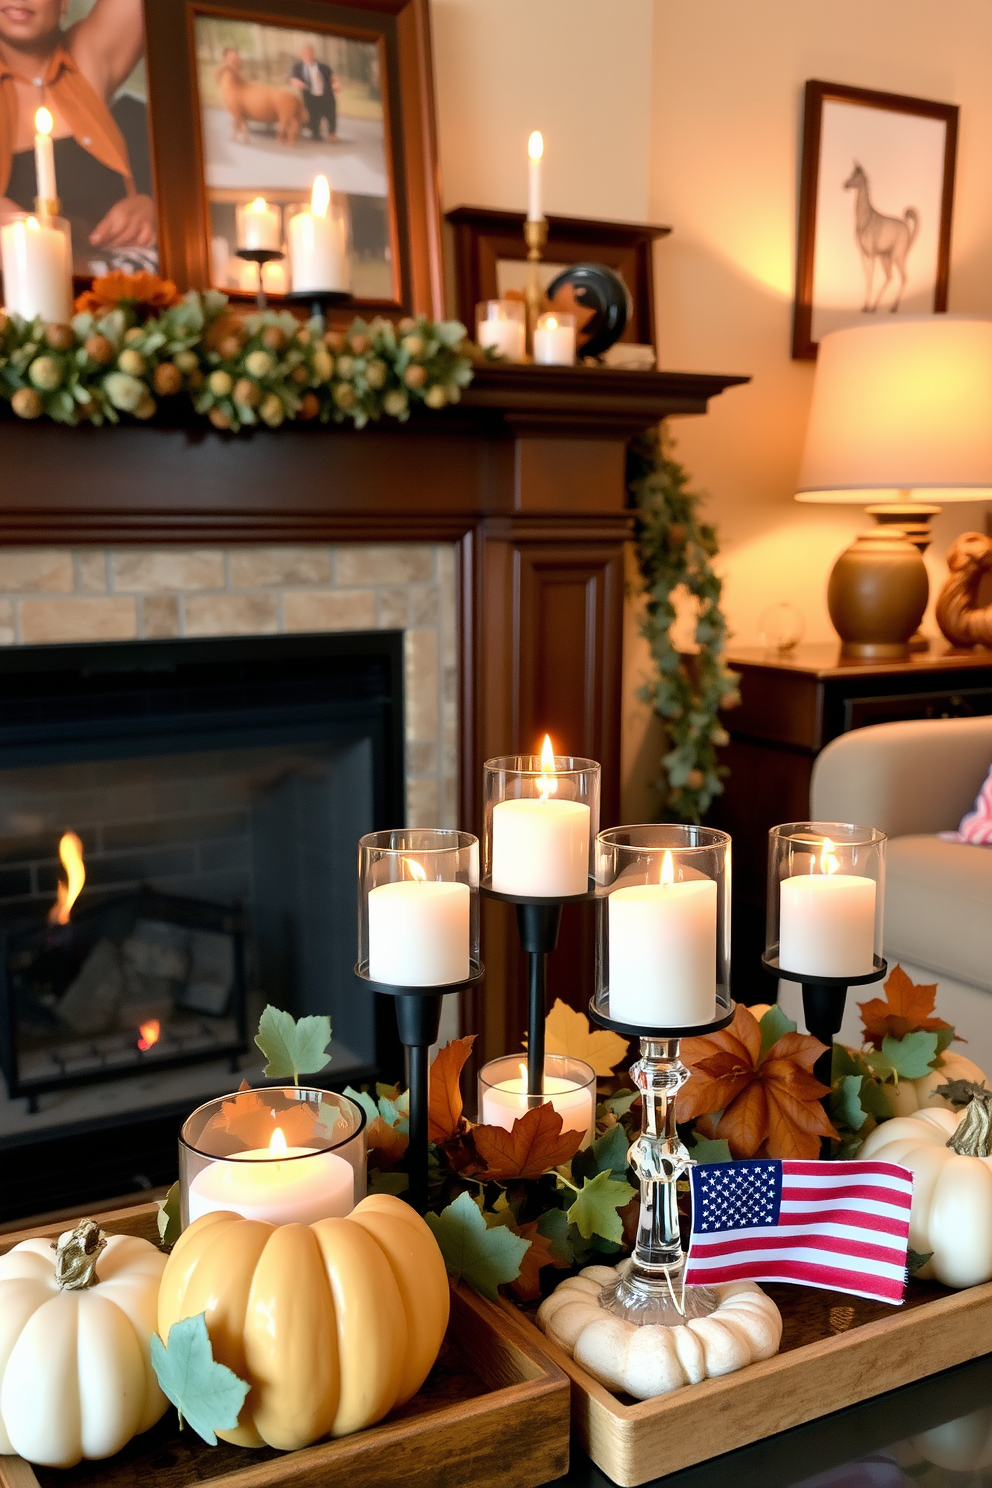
[{"x": 823, "y": 660}]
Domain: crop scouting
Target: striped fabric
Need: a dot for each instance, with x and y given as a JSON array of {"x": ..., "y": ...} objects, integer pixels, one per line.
[
  {"x": 843, "y": 1226},
  {"x": 976, "y": 827}
]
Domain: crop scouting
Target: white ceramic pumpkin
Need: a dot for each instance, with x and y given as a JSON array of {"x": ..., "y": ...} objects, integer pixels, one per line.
[
  {"x": 76, "y": 1378},
  {"x": 963, "y": 1445},
  {"x": 916, "y": 1095},
  {"x": 948, "y": 1155},
  {"x": 652, "y": 1360}
]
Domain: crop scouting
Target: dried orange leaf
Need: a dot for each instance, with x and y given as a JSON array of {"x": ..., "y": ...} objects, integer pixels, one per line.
[
  {"x": 907, "y": 1008},
  {"x": 528, "y": 1284},
  {"x": 444, "y": 1111},
  {"x": 535, "y": 1145},
  {"x": 567, "y": 1032},
  {"x": 388, "y": 1143},
  {"x": 252, "y": 1121}
]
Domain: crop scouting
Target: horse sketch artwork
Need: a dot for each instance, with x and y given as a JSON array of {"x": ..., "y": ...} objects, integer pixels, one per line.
[{"x": 884, "y": 241}]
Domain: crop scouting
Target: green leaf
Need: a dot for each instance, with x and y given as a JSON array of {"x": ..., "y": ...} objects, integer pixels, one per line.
[
  {"x": 621, "y": 1103},
  {"x": 363, "y": 1099},
  {"x": 773, "y": 1025},
  {"x": 206, "y": 1394},
  {"x": 912, "y": 1056},
  {"x": 845, "y": 1103},
  {"x": 594, "y": 1211},
  {"x": 705, "y": 1151},
  {"x": 387, "y": 1183},
  {"x": 485, "y": 1258},
  {"x": 874, "y": 1098},
  {"x": 293, "y": 1047},
  {"x": 945, "y": 1037},
  {"x": 168, "y": 1221},
  {"x": 396, "y": 1112},
  {"x": 554, "y": 1226},
  {"x": 608, "y": 1154}
]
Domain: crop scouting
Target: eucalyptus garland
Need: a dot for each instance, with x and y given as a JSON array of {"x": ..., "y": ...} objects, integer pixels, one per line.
[
  {"x": 674, "y": 549},
  {"x": 135, "y": 346}
]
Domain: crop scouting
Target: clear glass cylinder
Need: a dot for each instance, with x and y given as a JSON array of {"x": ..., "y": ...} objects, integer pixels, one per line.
[
  {"x": 285, "y": 1154},
  {"x": 663, "y": 926},
  {"x": 36, "y": 261},
  {"x": 826, "y": 893},
  {"x": 317, "y": 245},
  {"x": 540, "y": 824},
  {"x": 554, "y": 339},
  {"x": 501, "y": 327},
  {"x": 259, "y": 226},
  {"x": 569, "y": 1086},
  {"x": 418, "y": 907}
]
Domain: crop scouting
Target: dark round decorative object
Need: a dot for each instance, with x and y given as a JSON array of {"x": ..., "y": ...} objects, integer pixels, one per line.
[{"x": 594, "y": 287}]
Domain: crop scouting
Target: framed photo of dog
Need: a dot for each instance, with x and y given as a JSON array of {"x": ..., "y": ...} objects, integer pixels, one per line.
[
  {"x": 256, "y": 99},
  {"x": 875, "y": 200}
]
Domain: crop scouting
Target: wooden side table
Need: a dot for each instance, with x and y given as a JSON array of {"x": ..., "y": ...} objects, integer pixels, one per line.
[{"x": 791, "y": 706}]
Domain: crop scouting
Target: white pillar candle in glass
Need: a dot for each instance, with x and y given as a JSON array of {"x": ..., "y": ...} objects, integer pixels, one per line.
[
  {"x": 275, "y": 279},
  {"x": 505, "y": 1103},
  {"x": 535, "y": 153},
  {"x": 663, "y": 951},
  {"x": 316, "y": 244},
  {"x": 540, "y": 845},
  {"x": 419, "y": 934},
  {"x": 37, "y": 268},
  {"x": 259, "y": 226},
  {"x": 827, "y": 920},
  {"x": 501, "y": 327},
  {"x": 44, "y": 157},
  {"x": 280, "y": 1184},
  {"x": 554, "y": 339}
]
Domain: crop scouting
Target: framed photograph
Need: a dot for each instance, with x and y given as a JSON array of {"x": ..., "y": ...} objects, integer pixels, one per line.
[
  {"x": 84, "y": 61},
  {"x": 262, "y": 97},
  {"x": 875, "y": 202}
]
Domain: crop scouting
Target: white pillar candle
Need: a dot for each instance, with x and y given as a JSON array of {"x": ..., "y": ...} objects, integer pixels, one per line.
[
  {"x": 535, "y": 152},
  {"x": 508, "y": 337},
  {"x": 275, "y": 280},
  {"x": 827, "y": 925},
  {"x": 259, "y": 226},
  {"x": 505, "y": 1103},
  {"x": 554, "y": 343},
  {"x": 258, "y": 1184},
  {"x": 316, "y": 246},
  {"x": 419, "y": 933},
  {"x": 541, "y": 848},
  {"x": 663, "y": 952},
  {"x": 37, "y": 271},
  {"x": 44, "y": 157}
]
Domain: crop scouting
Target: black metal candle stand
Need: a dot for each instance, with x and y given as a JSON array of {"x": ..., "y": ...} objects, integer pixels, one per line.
[
  {"x": 260, "y": 257},
  {"x": 319, "y": 300},
  {"x": 538, "y": 923},
  {"x": 824, "y": 999},
  {"x": 418, "y": 1020}
]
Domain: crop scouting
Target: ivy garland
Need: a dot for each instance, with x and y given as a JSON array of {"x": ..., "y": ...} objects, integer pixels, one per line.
[
  {"x": 674, "y": 549},
  {"x": 135, "y": 343}
]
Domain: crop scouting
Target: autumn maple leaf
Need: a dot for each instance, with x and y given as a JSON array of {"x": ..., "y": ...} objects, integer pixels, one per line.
[
  {"x": 253, "y": 1120},
  {"x": 908, "y": 1008},
  {"x": 535, "y": 1145},
  {"x": 444, "y": 1111},
  {"x": 387, "y": 1142},
  {"x": 528, "y": 1284},
  {"x": 567, "y": 1031},
  {"x": 770, "y": 1102}
]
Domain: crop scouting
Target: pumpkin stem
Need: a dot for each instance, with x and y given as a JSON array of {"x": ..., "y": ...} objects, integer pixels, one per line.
[
  {"x": 973, "y": 1137},
  {"x": 76, "y": 1256}
]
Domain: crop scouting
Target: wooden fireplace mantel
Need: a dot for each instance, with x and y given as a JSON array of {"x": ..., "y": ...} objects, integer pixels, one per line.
[{"x": 525, "y": 476}]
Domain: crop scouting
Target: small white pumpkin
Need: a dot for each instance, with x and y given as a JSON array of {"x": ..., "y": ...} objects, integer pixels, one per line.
[
  {"x": 651, "y": 1360},
  {"x": 915, "y": 1095},
  {"x": 76, "y": 1378},
  {"x": 962, "y": 1445},
  {"x": 951, "y": 1217}
]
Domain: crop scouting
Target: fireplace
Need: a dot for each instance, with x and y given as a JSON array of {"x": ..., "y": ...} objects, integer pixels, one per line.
[{"x": 212, "y": 792}]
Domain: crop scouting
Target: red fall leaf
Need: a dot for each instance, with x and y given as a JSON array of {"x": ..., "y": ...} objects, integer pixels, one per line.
[
  {"x": 535, "y": 1145},
  {"x": 386, "y": 1142},
  {"x": 444, "y": 1112},
  {"x": 907, "y": 1008},
  {"x": 528, "y": 1284}
]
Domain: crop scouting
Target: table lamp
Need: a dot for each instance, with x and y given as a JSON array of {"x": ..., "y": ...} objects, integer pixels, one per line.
[{"x": 901, "y": 421}]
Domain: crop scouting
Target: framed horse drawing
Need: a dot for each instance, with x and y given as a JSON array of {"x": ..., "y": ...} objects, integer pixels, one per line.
[{"x": 875, "y": 201}]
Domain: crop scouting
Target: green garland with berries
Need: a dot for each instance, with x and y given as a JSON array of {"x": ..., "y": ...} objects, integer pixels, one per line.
[{"x": 134, "y": 356}]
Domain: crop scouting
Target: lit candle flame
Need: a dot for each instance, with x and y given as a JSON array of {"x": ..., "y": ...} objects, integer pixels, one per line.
[
  {"x": 150, "y": 1033},
  {"x": 523, "y": 1075},
  {"x": 667, "y": 870},
  {"x": 33, "y": 224},
  {"x": 71, "y": 853},
  {"x": 535, "y": 145},
  {"x": 551, "y": 323},
  {"x": 414, "y": 870},
  {"x": 258, "y": 205},
  {"x": 828, "y": 858},
  {"x": 43, "y": 122},
  {"x": 547, "y": 781},
  {"x": 278, "y": 1146},
  {"x": 320, "y": 196}
]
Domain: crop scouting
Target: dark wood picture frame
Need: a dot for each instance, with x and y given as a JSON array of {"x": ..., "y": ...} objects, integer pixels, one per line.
[
  {"x": 483, "y": 236},
  {"x": 817, "y": 93},
  {"x": 403, "y": 29}
]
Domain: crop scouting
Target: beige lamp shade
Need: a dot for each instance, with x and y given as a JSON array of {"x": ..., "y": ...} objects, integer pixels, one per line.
[{"x": 899, "y": 407}]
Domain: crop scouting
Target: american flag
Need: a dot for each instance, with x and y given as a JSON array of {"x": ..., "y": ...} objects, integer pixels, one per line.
[{"x": 839, "y": 1225}]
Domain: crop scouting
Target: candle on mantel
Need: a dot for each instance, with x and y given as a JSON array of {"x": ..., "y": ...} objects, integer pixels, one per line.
[
  {"x": 37, "y": 269},
  {"x": 419, "y": 931},
  {"x": 501, "y": 328},
  {"x": 541, "y": 845},
  {"x": 316, "y": 246},
  {"x": 535, "y": 154},
  {"x": 506, "y": 1101},
  {"x": 554, "y": 340},
  {"x": 259, "y": 226},
  {"x": 278, "y": 1183},
  {"x": 663, "y": 951},
  {"x": 44, "y": 157},
  {"x": 827, "y": 920}
]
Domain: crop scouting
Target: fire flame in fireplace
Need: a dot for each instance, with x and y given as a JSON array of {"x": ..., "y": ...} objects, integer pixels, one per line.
[
  {"x": 150, "y": 1033},
  {"x": 71, "y": 853}
]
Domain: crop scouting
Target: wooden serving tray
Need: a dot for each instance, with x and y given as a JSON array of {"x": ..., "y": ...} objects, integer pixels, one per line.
[
  {"x": 493, "y": 1413},
  {"x": 836, "y": 1350}
]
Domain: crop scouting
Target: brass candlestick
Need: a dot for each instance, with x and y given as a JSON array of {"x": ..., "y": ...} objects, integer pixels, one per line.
[
  {"x": 535, "y": 236},
  {"x": 47, "y": 206}
]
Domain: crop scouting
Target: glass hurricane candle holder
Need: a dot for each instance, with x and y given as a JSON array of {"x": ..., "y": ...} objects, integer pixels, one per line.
[
  {"x": 317, "y": 244},
  {"x": 569, "y": 1085},
  {"x": 258, "y": 227},
  {"x": 288, "y": 1155},
  {"x": 418, "y": 907},
  {"x": 541, "y": 819},
  {"x": 501, "y": 327},
  {"x": 662, "y": 943},
  {"x": 554, "y": 339},
  {"x": 36, "y": 260}
]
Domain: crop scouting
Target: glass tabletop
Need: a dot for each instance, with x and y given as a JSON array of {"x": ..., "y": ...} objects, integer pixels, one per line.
[{"x": 936, "y": 1433}]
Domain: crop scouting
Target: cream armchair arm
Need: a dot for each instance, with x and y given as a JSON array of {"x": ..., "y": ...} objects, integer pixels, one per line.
[{"x": 906, "y": 778}]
